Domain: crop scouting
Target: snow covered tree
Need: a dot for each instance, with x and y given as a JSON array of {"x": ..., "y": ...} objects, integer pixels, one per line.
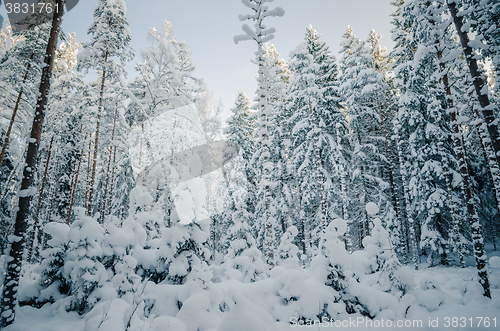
[
  {"x": 62, "y": 139},
  {"x": 53, "y": 280},
  {"x": 243, "y": 254},
  {"x": 239, "y": 131},
  {"x": 377, "y": 245},
  {"x": 83, "y": 265},
  {"x": 110, "y": 39},
  {"x": 363, "y": 91},
  {"x": 488, "y": 108},
  {"x": 261, "y": 35},
  {"x": 311, "y": 99},
  {"x": 9, "y": 295},
  {"x": 288, "y": 252}
]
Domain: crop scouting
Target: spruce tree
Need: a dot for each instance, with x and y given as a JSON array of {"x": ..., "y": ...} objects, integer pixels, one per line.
[
  {"x": 363, "y": 90},
  {"x": 311, "y": 100},
  {"x": 261, "y": 35}
]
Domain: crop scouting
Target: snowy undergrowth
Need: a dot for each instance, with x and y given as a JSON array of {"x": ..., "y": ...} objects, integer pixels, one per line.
[{"x": 274, "y": 303}]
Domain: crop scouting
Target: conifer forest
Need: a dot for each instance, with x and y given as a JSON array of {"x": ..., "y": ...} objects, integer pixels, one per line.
[{"x": 356, "y": 189}]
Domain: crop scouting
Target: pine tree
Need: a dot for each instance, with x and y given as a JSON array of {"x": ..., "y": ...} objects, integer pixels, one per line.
[
  {"x": 110, "y": 39},
  {"x": 262, "y": 35},
  {"x": 9, "y": 295}
]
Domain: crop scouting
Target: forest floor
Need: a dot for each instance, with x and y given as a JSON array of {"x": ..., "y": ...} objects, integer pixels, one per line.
[{"x": 443, "y": 298}]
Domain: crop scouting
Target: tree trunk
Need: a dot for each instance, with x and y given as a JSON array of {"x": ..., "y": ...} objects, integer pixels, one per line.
[
  {"x": 31, "y": 242},
  {"x": 75, "y": 182},
  {"x": 14, "y": 112},
  {"x": 411, "y": 222},
  {"x": 103, "y": 210},
  {"x": 96, "y": 143},
  {"x": 478, "y": 81},
  {"x": 343, "y": 188},
  {"x": 393, "y": 174},
  {"x": 477, "y": 238},
  {"x": 110, "y": 200},
  {"x": 323, "y": 223},
  {"x": 11, "y": 284},
  {"x": 87, "y": 181}
]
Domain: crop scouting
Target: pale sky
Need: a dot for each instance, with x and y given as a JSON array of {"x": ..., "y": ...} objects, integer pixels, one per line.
[{"x": 208, "y": 26}]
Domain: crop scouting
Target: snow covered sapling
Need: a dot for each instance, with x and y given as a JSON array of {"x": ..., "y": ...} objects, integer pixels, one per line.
[
  {"x": 393, "y": 277},
  {"x": 243, "y": 254},
  {"x": 53, "y": 280},
  {"x": 83, "y": 261},
  {"x": 377, "y": 245},
  {"x": 336, "y": 255},
  {"x": 183, "y": 250},
  {"x": 288, "y": 252},
  {"x": 118, "y": 242},
  {"x": 181, "y": 247},
  {"x": 332, "y": 266}
]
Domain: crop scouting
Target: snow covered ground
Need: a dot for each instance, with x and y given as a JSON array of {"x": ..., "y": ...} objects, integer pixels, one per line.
[{"x": 442, "y": 298}]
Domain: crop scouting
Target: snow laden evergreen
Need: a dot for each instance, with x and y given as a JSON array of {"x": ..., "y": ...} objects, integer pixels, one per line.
[
  {"x": 239, "y": 174},
  {"x": 283, "y": 205},
  {"x": 106, "y": 53},
  {"x": 435, "y": 61},
  {"x": 260, "y": 34},
  {"x": 424, "y": 167},
  {"x": 311, "y": 100},
  {"x": 288, "y": 252},
  {"x": 243, "y": 254},
  {"x": 363, "y": 90},
  {"x": 239, "y": 131}
]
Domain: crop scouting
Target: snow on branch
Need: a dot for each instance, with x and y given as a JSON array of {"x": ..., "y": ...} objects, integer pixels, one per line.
[
  {"x": 260, "y": 34},
  {"x": 278, "y": 11}
]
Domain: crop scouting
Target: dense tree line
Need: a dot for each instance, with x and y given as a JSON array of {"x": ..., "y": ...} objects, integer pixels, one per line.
[{"x": 412, "y": 130}]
